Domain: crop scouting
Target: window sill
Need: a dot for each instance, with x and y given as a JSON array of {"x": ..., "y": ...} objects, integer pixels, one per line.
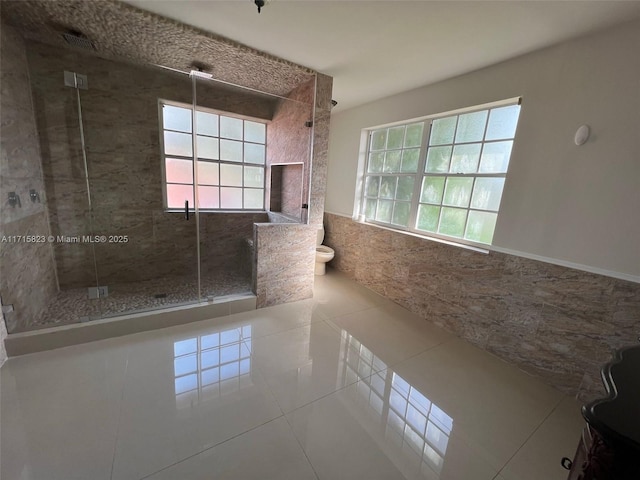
[{"x": 479, "y": 248}]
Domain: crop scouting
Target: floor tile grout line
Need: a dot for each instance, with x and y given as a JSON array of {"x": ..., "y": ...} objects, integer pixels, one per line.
[
  {"x": 304, "y": 452},
  {"x": 124, "y": 385},
  {"x": 211, "y": 447},
  {"x": 553, "y": 409}
]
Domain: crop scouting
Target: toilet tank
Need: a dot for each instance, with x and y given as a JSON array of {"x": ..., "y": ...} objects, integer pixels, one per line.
[{"x": 320, "y": 237}]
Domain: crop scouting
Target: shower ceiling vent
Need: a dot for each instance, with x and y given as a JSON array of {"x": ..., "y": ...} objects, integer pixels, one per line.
[{"x": 77, "y": 39}]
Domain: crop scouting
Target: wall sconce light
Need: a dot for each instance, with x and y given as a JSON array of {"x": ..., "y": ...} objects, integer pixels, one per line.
[{"x": 582, "y": 135}]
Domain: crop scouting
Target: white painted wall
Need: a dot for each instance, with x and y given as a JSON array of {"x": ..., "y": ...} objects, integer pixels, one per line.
[{"x": 562, "y": 203}]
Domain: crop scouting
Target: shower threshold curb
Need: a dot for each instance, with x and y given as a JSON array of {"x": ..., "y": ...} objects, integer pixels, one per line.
[{"x": 73, "y": 334}]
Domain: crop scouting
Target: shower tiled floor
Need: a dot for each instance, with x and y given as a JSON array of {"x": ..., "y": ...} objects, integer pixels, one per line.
[
  {"x": 346, "y": 385},
  {"x": 74, "y": 306}
]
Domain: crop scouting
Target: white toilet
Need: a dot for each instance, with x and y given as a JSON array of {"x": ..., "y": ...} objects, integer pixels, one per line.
[{"x": 323, "y": 253}]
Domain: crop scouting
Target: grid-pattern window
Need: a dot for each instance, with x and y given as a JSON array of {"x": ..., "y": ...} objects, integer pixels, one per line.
[
  {"x": 231, "y": 159},
  {"x": 443, "y": 176}
]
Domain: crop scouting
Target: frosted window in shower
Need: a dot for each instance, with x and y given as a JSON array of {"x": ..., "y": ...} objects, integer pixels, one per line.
[
  {"x": 176, "y": 118},
  {"x": 255, "y": 132},
  {"x": 206, "y": 124},
  {"x": 178, "y": 194},
  {"x": 231, "y": 158},
  {"x": 231, "y": 175},
  {"x": 208, "y": 197},
  {"x": 253, "y": 153},
  {"x": 208, "y": 147},
  {"x": 231, "y": 128},
  {"x": 179, "y": 171},
  {"x": 208, "y": 173},
  {"x": 231, "y": 198},
  {"x": 230, "y": 151},
  {"x": 178, "y": 144}
]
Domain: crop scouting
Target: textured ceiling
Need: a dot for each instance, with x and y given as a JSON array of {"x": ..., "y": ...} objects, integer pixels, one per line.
[{"x": 121, "y": 31}]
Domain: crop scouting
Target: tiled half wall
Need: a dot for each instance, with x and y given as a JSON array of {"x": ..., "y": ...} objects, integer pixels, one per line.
[{"x": 554, "y": 322}]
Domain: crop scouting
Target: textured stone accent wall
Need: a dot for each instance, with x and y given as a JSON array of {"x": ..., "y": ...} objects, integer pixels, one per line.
[
  {"x": 322, "y": 116},
  {"x": 285, "y": 259},
  {"x": 558, "y": 323},
  {"x": 288, "y": 141},
  {"x": 120, "y": 117},
  {"x": 27, "y": 272}
]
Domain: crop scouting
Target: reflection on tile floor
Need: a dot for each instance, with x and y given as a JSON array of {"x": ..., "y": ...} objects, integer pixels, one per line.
[
  {"x": 344, "y": 385},
  {"x": 74, "y": 306}
]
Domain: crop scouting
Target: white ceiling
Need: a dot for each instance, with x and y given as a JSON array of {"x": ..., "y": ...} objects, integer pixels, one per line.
[{"x": 373, "y": 49}]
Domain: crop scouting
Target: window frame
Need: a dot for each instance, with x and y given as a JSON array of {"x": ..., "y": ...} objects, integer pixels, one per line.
[
  {"x": 194, "y": 160},
  {"x": 421, "y": 174}
]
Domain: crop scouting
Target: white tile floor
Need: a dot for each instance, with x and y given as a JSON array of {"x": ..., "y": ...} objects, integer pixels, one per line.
[{"x": 346, "y": 385}]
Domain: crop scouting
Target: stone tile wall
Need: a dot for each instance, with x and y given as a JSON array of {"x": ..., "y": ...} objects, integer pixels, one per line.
[
  {"x": 558, "y": 323},
  {"x": 322, "y": 116},
  {"x": 27, "y": 272},
  {"x": 284, "y": 262}
]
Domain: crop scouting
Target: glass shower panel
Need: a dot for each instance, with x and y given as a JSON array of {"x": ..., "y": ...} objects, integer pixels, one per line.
[
  {"x": 48, "y": 272},
  {"x": 139, "y": 140}
]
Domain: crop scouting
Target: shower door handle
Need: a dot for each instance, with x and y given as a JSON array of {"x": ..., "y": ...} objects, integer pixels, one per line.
[{"x": 186, "y": 209}]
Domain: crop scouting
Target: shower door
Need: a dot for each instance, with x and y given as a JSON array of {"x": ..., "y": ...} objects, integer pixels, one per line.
[{"x": 140, "y": 161}]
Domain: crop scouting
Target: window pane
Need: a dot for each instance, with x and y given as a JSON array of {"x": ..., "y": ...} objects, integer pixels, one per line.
[
  {"x": 481, "y": 226},
  {"x": 392, "y": 161},
  {"x": 432, "y": 190},
  {"x": 231, "y": 198},
  {"x": 401, "y": 213},
  {"x": 207, "y": 124},
  {"x": 457, "y": 191},
  {"x": 178, "y": 171},
  {"x": 442, "y": 131},
  {"x": 438, "y": 159},
  {"x": 487, "y": 193},
  {"x": 208, "y": 197},
  {"x": 207, "y": 147},
  {"x": 388, "y": 187},
  {"x": 176, "y": 118},
  {"x": 452, "y": 221},
  {"x": 208, "y": 173},
  {"x": 495, "y": 157},
  {"x": 376, "y": 161},
  {"x": 395, "y": 137},
  {"x": 428, "y": 216},
  {"x": 405, "y": 188},
  {"x": 465, "y": 158},
  {"x": 230, "y": 150},
  {"x": 253, "y": 153},
  {"x": 178, "y": 144},
  {"x": 471, "y": 127},
  {"x": 371, "y": 186},
  {"x": 384, "y": 211},
  {"x": 410, "y": 160},
  {"x": 254, "y": 132},
  {"x": 370, "y": 208},
  {"x": 254, "y": 177},
  {"x": 378, "y": 139},
  {"x": 413, "y": 137},
  {"x": 503, "y": 122},
  {"x": 231, "y": 175},
  {"x": 177, "y": 194},
  {"x": 230, "y": 127},
  {"x": 253, "y": 198}
]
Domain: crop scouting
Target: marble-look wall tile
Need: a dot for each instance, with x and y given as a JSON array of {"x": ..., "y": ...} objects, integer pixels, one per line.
[
  {"x": 27, "y": 272},
  {"x": 555, "y": 322},
  {"x": 318, "y": 181},
  {"x": 285, "y": 260}
]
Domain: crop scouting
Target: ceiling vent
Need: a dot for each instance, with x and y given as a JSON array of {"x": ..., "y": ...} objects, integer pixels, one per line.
[{"x": 78, "y": 39}]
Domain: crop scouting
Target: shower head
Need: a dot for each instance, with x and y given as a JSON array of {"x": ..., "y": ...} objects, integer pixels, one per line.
[{"x": 76, "y": 38}]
